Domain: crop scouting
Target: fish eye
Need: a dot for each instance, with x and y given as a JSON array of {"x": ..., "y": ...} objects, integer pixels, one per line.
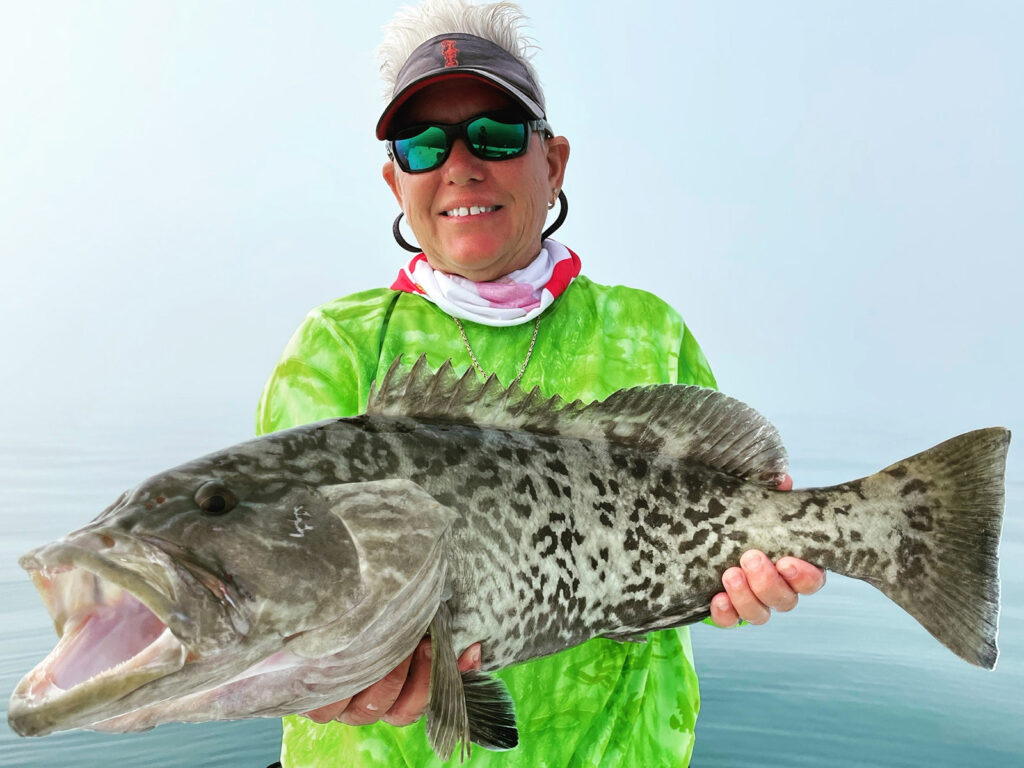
[{"x": 213, "y": 498}]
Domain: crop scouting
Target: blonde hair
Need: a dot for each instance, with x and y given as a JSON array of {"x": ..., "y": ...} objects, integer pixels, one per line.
[{"x": 413, "y": 25}]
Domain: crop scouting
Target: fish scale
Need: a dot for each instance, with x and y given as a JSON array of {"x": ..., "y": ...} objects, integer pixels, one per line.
[{"x": 658, "y": 561}]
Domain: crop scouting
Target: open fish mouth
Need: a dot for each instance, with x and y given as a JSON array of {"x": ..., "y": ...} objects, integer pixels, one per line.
[{"x": 111, "y": 643}]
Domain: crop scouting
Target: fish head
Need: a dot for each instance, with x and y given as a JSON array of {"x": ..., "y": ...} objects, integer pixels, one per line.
[{"x": 184, "y": 581}]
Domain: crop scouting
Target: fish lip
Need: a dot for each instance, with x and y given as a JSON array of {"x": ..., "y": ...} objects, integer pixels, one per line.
[
  {"x": 178, "y": 567},
  {"x": 39, "y": 705},
  {"x": 63, "y": 556},
  {"x": 76, "y": 582}
]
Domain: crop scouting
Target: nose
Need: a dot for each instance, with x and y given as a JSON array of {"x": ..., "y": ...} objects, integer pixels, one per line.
[{"x": 462, "y": 166}]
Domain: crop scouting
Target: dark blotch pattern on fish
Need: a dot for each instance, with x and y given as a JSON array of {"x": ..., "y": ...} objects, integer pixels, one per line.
[
  {"x": 917, "y": 485},
  {"x": 920, "y": 518},
  {"x": 570, "y": 504}
]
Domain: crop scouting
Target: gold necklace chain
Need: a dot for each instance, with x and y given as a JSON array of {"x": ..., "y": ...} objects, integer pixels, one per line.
[{"x": 476, "y": 363}]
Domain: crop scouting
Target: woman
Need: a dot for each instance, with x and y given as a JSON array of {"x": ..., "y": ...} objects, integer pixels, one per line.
[{"x": 475, "y": 168}]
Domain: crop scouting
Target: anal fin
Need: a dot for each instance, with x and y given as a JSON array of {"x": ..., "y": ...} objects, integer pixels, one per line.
[{"x": 491, "y": 713}]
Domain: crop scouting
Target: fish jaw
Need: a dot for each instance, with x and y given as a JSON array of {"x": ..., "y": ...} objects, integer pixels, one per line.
[
  {"x": 111, "y": 643},
  {"x": 135, "y": 622}
]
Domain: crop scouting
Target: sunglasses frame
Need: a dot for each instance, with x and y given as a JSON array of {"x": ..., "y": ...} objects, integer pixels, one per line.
[{"x": 453, "y": 131}]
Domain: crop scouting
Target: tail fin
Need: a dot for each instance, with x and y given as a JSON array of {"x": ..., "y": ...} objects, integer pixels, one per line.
[{"x": 945, "y": 539}]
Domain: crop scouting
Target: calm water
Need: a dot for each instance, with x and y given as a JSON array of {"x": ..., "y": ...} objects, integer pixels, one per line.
[{"x": 846, "y": 680}]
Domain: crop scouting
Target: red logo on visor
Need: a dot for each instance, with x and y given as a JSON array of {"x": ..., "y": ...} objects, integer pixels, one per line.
[{"x": 449, "y": 51}]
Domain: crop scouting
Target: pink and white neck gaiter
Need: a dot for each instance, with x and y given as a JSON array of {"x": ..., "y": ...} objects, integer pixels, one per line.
[{"x": 516, "y": 298}]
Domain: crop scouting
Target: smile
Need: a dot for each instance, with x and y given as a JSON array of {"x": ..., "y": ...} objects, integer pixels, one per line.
[{"x": 472, "y": 210}]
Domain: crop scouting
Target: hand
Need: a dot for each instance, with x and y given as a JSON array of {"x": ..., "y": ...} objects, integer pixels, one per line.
[
  {"x": 400, "y": 698},
  {"x": 758, "y": 586}
]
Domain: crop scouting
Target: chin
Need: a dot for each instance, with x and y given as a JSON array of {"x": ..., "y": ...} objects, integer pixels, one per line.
[{"x": 474, "y": 255}]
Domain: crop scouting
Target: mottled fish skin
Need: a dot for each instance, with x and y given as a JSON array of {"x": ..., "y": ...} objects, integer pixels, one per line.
[
  {"x": 559, "y": 540},
  {"x": 332, "y": 545}
]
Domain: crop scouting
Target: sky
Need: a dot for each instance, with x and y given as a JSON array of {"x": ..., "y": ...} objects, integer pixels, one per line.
[{"x": 830, "y": 193}]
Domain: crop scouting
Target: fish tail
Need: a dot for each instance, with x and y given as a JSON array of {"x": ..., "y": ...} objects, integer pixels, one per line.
[{"x": 942, "y": 563}]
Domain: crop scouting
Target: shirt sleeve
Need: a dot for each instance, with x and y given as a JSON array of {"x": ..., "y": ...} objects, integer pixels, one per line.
[
  {"x": 328, "y": 365},
  {"x": 693, "y": 366}
]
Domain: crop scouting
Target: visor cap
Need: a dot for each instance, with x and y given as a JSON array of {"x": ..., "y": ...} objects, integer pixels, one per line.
[{"x": 462, "y": 55}]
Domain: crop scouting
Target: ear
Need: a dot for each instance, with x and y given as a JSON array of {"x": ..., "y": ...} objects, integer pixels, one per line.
[
  {"x": 391, "y": 179},
  {"x": 557, "y": 157}
]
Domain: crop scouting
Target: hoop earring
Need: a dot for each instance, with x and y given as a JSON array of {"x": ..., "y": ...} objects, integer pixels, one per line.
[
  {"x": 401, "y": 240},
  {"x": 558, "y": 222}
]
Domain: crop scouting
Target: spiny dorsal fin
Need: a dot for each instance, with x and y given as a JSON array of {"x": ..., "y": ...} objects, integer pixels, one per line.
[{"x": 692, "y": 423}]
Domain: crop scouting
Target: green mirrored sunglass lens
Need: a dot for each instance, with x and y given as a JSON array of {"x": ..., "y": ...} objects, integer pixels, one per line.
[
  {"x": 424, "y": 150},
  {"x": 493, "y": 139},
  {"x": 422, "y": 158}
]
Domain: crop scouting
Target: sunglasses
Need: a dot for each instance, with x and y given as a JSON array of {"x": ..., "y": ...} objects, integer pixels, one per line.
[{"x": 497, "y": 136}]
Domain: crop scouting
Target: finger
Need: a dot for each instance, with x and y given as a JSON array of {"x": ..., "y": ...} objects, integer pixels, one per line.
[
  {"x": 802, "y": 577},
  {"x": 412, "y": 701},
  {"x": 328, "y": 712},
  {"x": 722, "y": 611},
  {"x": 743, "y": 599},
  {"x": 766, "y": 582},
  {"x": 470, "y": 658},
  {"x": 368, "y": 705},
  {"x": 786, "y": 484}
]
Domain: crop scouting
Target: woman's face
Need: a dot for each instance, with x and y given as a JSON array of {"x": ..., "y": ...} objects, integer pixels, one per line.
[{"x": 487, "y": 245}]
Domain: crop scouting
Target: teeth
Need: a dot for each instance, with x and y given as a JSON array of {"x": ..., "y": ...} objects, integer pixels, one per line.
[{"x": 473, "y": 210}]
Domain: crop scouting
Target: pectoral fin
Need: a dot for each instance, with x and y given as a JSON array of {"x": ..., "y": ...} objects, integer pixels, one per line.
[{"x": 466, "y": 706}]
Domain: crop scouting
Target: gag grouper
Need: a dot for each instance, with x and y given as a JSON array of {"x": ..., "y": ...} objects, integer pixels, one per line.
[{"x": 293, "y": 570}]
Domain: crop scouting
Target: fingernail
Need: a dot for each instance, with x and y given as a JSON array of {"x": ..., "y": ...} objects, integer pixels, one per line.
[
  {"x": 752, "y": 560},
  {"x": 789, "y": 571},
  {"x": 733, "y": 579},
  {"x": 475, "y": 656},
  {"x": 427, "y": 653},
  {"x": 372, "y": 707}
]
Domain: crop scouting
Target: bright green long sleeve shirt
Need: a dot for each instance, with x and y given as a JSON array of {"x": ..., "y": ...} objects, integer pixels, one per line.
[{"x": 602, "y": 703}]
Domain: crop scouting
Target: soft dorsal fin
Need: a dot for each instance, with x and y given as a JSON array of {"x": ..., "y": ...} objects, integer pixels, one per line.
[{"x": 692, "y": 423}]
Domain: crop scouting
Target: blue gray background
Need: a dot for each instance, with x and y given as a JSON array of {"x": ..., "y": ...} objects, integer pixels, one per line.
[{"x": 830, "y": 193}]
